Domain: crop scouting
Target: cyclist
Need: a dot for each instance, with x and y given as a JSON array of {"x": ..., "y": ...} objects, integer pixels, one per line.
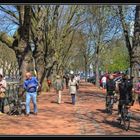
[
  {"x": 110, "y": 89},
  {"x": 125, "y": 91}
]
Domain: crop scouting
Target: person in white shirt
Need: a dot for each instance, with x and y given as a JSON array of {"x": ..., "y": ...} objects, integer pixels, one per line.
[
  {"x": 104, "y": 79},
  {"x": 73, "y": 85},
  {"x": 3, "y": 86}
]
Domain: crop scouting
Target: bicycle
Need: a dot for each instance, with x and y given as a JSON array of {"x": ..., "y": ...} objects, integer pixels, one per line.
[
  {"x": 125, "y": 116},
  {"x": 18, "y": 107}
]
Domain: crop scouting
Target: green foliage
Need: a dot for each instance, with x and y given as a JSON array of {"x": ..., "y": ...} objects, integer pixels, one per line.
[
  {"x": 44, "y": 86},
  {"x": 7, "y": 54},
  {"x": 115, "y": 58}
]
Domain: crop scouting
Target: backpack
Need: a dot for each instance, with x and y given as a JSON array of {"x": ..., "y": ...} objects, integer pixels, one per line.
[
  {"x": 126, "y": 86},
  {"x": 111, "y": 85},
  {"x": 58, "y": 85}
]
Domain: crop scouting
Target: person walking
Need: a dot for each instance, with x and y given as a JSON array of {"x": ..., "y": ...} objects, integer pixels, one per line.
[
  {"x": 30, "y": 85},
  {"x": 73, "y": 86},
  {"x": 49, "y": 84},
  {"x": 104, "y": 80},
  {"x": 58, "y": 86},
  {"x": 3, "y": 86},
  {"x": 66, "y": 77}
]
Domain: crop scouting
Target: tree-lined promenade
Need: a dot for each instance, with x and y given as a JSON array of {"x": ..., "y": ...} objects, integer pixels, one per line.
[
  {"x": 87, "y": 117},
  {"x": 51, "y": 41}
]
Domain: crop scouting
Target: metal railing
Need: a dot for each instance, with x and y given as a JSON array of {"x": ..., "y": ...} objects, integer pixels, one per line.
[{"x": 12, "y": 91}]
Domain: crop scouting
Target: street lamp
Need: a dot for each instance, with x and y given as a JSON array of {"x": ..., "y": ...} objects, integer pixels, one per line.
[{"x": 32, "y": 45}]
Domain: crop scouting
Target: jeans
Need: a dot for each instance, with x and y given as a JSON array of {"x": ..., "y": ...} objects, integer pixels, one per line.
[
  {"x": 30, "y": 96},
  {"x": 59, "y": 96},
  {"x": 109, "y": 100},
  {"x": 2, "y": 105},
  {"x": 104, "y": 85},
  {"x": 73, "y": 96}
]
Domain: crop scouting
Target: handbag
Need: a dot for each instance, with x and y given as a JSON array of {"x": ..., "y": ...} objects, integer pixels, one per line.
[
  {"x": 77, "y": 87},
  {"x": 2, "y": 94}
]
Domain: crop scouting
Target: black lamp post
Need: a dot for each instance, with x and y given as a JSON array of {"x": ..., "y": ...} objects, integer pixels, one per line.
[{"x": 32, "y": 45}]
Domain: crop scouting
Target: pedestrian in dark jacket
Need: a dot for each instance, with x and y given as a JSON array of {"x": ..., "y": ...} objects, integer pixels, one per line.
[
  {"x": 110, "y": 89},
  {"x": 125, "y": 91}
]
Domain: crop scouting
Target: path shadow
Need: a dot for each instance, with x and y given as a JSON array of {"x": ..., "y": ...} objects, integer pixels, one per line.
[
  {"x": 55, "y": 102},
  {"x": 68, "y": 102},
  {"x": 105, "y": 111},
  {"x": 136, "y": 118},
  {"x": 113, "y": 123},
  {"x": 135, "y": 129},
  {"x": 91, "y": 94},
  {"x": 32, "y": 112},
  {"x": 102, "y": 110}
]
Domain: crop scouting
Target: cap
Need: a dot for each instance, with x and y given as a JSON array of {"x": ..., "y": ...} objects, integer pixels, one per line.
[{"x": 57, "y": 76}]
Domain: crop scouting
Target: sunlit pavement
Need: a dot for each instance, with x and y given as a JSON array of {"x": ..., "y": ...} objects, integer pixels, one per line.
[{"x": 87, "y": 117}]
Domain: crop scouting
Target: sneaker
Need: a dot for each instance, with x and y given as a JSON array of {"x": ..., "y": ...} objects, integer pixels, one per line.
[
  {"x": 119, "y": 117},
  {"x": 27, "y": 115}
]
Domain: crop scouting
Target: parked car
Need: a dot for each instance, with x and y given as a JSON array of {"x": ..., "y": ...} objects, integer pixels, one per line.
[{"x": 92, "y": 80}]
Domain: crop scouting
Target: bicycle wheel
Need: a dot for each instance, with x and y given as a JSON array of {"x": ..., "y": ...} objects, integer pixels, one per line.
[
  {"x": 111, "y": 104},
  {"x": 126, "y": 122},
  {"x": 107, "y": 104},
  {"x": 126, "y": 119},
  {"x": 110, "y": 108}
]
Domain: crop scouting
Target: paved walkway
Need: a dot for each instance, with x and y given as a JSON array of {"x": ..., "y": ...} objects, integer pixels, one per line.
[{"x": 87, "y": 117}]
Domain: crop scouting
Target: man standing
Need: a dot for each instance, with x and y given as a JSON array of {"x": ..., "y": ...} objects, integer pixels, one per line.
[
  {"x": 3, "y": 86},
  {"x": 30, "y": 85}
]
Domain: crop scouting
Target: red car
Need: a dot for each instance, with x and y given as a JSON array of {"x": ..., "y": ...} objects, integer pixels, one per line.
[{"x": 107, "y": 76}]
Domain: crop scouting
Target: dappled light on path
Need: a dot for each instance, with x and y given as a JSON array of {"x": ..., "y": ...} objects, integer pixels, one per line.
[{"x": 87, "y": 117}]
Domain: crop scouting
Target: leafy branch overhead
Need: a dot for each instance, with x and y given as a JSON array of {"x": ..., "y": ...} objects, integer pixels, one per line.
[{"x": 71, "y": 37}]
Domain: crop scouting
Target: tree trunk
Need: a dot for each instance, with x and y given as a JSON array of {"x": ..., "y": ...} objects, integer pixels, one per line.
[
  {"x": 135, "y": 58},
  {"x": 126, "y": 34},
  {"x": 21, "y": 44},
  {"x": 40, "y": 45},
  {"x": 40, "y": 61},
  {"x": 97, "y": 67},
  {"x": 86, "y": 69}
]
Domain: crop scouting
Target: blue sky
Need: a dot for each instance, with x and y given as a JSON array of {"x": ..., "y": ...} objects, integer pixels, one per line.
[{"x": 8, "y": 26}]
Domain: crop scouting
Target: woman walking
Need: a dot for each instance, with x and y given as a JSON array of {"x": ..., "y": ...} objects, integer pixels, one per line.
[{"x": 73, "y": 86}]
